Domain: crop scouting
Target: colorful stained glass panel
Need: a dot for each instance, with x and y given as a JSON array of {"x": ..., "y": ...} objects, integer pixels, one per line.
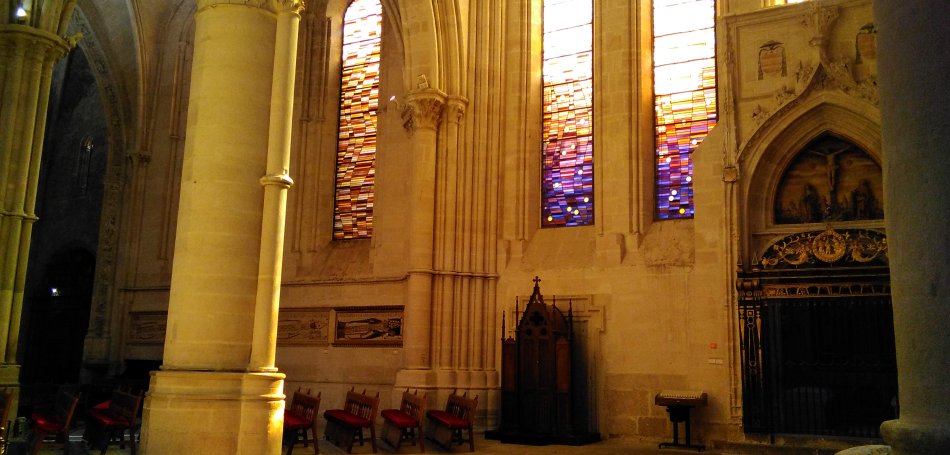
[
  {"x": 576, "y": 67},
  {"x": 359, "y": 103},
  {"x": 684, "y": 76},
  {"x": 567, "y": 159}
]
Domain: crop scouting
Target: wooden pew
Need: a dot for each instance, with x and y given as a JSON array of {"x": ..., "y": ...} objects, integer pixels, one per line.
[
  {"x": 445, "y": 427},
  {"x": 401, "y": 424},
  {"x": 343, "y": 425}
]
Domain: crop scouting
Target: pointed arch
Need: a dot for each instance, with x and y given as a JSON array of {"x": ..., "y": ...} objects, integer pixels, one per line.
[{"x": 768, "y": 154}]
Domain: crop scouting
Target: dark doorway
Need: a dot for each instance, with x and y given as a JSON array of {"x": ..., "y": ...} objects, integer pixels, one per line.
[
  {"x": 59, "y": 282},
  {"x": 58, "y": 320}
]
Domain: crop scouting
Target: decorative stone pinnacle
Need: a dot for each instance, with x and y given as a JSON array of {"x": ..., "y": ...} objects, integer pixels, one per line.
[{"x": 820, "y": 19}]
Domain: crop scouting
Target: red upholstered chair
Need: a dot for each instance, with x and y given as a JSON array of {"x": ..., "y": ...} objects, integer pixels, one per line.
[
  {"x": 110, "y": 423},
  {"x": 56, "y": 422},
  {"x": 401, "y": 424},
  {"x": 344, "y": 425},
  {"x": 7, "y": 397},
  {"x": 298, "y": 419},
  {"x": 445, "y": 427}
]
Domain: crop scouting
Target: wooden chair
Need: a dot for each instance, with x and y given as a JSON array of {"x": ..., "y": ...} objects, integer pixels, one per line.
[
  {"x": 7, "y": 397},
  {"x": 110, "y": 424},
  {"x": 299, "y": 418},
  {"x": 57, "y": 422},
  {"x": 343, "y": 425},
  {"x": 445, "y": 427},
  {"x": 401, "y": 424}
]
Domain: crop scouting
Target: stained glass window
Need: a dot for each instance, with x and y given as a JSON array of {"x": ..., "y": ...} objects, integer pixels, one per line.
[
  {"x": 684, "y": 88},
  {"x": 359, "y": 102},
  {"x": 567, "y": 185}
]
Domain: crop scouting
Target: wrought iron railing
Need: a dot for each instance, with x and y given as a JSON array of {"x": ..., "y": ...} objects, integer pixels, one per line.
[{"x": 817, "y": 339}]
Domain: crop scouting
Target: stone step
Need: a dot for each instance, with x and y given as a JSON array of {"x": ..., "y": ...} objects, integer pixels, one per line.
[{"x": 791, "y": 445}]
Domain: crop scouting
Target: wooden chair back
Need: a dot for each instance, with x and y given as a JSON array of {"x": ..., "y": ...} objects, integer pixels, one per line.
[
  {"x": 58, "y": 422},
  {"x": 462, "y": 407},
  {"x": 64, "y": 408},
  {"x": 304, "y": 405},
  {"x": 125, "y": 405},
  {"x": 362, "y": 404},
  {"x": 414, "y": 405}
]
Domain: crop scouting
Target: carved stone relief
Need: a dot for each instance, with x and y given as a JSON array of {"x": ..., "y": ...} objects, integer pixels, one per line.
[
  {"x": 146, "y": 327},
  {"x": 854, "y": 75},
  {"x": 855, "y": 246},
  {"x": 772, "y": 60},
  {"x": 865, "y": 54},
  {"x": 829, "y": 180}
]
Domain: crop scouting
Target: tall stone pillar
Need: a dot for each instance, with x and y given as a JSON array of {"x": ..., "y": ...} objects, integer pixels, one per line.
[
  {"x": 913, "y": 59},
  {"x": 423, "y": 116},
  {"x": 31, "y": 42},
  {"x": 218, "y": 391}
]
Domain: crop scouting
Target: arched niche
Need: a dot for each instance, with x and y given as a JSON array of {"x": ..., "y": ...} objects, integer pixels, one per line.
[
  {"x": 793, "y": 140},
  {"x": 830, "y": 180}
]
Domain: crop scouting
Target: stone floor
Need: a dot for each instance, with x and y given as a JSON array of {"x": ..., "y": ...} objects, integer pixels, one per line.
[
  {"x": 617, "y": 446},
  {"x": 482, "y": 446}
]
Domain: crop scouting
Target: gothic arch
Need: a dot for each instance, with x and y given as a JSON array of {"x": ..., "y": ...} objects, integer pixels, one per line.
[
  {"x": 767, "y": 155},
  {"x": 431, "y": 35},
  {"x": 118, "y": 107}
]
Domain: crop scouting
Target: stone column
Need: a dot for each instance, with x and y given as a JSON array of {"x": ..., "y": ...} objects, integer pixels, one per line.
[
  {"x": 31, "y": 43},
  {"x": 423, "y": 114},
  {"x": 218, "y": 391},
  {"x": 913, "y": 59}
]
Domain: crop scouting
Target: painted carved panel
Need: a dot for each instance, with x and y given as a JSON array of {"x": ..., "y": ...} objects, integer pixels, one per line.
[{"x": 831, "y": 179}]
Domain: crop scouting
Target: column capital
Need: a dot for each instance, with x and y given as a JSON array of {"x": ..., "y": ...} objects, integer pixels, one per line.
[
  {"x": 455, "y": 108},
  {"x": 274, "y": 6},
  {"x": 423, "y": 110},
  {"x": 292, "y": 6},
  {"x": 50, "y": 16},
  {"x": 36, "y": 44}
]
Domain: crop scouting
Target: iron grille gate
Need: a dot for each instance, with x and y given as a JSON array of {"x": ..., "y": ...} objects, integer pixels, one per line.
[{"x": 817, "y": 350}]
